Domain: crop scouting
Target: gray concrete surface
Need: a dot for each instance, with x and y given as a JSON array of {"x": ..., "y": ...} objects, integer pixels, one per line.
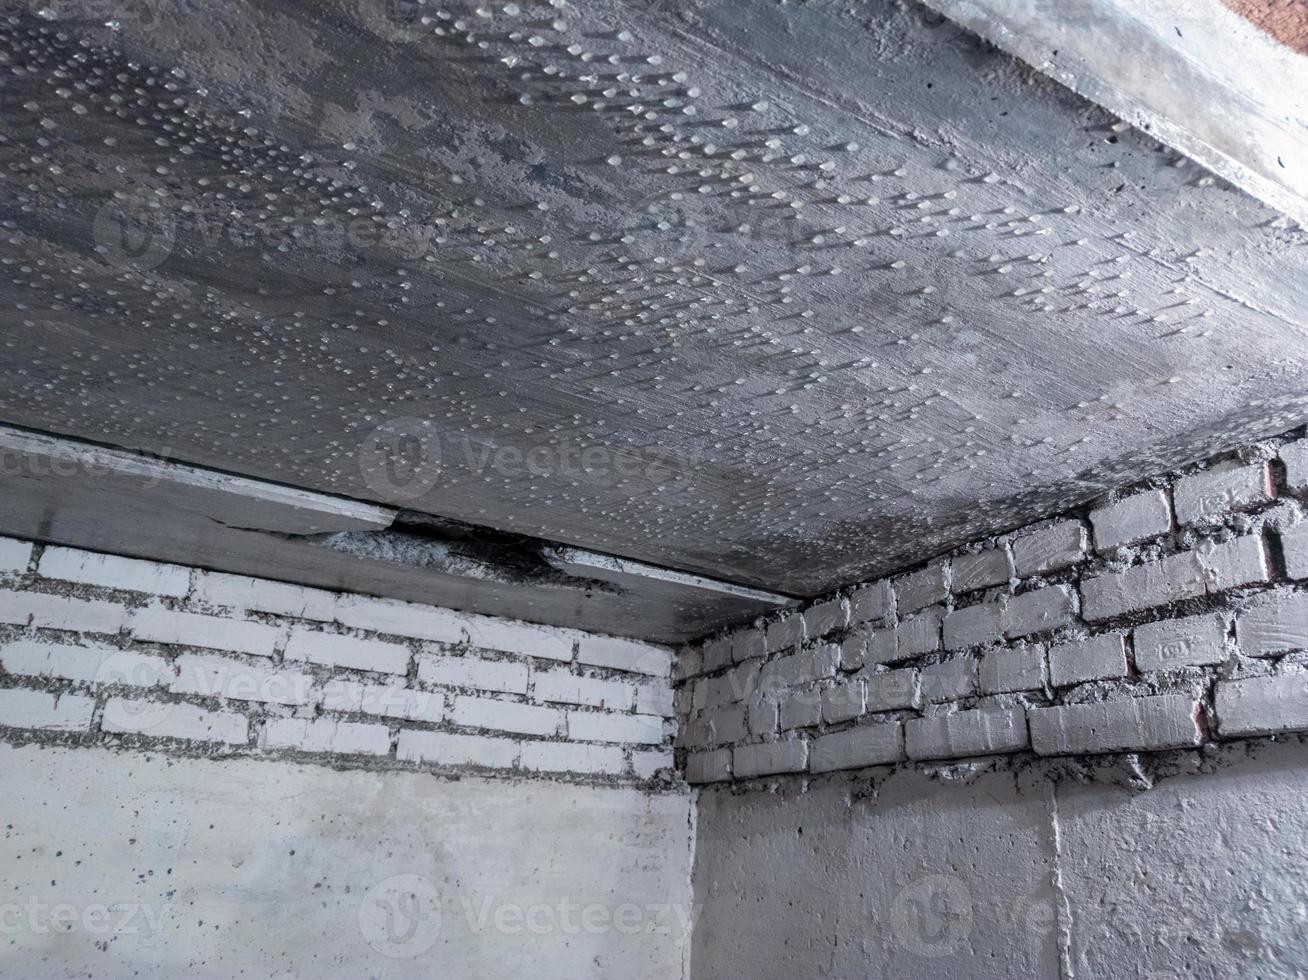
[
  {"x": 123, "y": 864},
  {"x": 824, "y": 288},
  {"x": 1220, "y": 88},
  {"x": 983, "y": 871}
]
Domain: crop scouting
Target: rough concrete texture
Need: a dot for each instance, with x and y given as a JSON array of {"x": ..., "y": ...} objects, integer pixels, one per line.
[
  {"x": 889, "y": 876},
  {"x": 126, "y": 865},
  {"x": 994, "y": 873},
  {"x": 824, "y": 287}
]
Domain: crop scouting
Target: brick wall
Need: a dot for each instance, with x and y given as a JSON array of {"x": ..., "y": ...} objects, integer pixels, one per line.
[
  {"x": 1171, "y": 614},
  {"x": 100, "y": 649}
]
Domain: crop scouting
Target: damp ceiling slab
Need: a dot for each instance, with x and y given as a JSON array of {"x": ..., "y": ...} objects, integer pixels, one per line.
[{"x": 784, "y": 294}]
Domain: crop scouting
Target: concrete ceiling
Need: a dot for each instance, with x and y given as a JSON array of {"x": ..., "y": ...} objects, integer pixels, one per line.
[{"x": 787, "y": 294}]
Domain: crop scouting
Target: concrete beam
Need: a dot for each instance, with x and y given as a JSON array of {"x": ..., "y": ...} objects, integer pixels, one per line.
[{"x": 1198, "y": 76}]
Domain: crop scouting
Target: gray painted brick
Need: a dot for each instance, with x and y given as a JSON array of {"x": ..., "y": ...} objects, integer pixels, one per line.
[
  {"x": 391, "y": 700},
  {"x": 1193, "y": 641},
  {"x": 708, "y": 767},
  {"x": 522, "y": 639},
  {"x": 39, "y": 710},
  {"x": 175, "y": 720},
  {"x": 114, "y": 572},
  {"x": 812, "y": 664},
  {"x": 1231, "y": 564},
  {"x": 1295, "y": 457},
  {"x": 974, "y": 626},
  {"x": 1154, "y": 583},
  {"x": 1207, "y": 569},
  {"x": 1091, "y": 659},
  {"x": 157, "y": 624},
  {"x": 15, "y": 556},
  {"x": 91, "y": 663},
  {"x": 1276, "y": 623},
  {"x": 242, "y": 593},
  {"x": 717, "y": 653},
  {"x": 889, "y": 690},
  {"x": 985, "y": 731},
  {"x": 882, "y": 646},
  {"x": 569, "y": 757},
  {"x": 769, "y": 758},
  {"x": 733, "y": 685},
  {"x": 334, "y": 650},
  {"x": 689, "y": 663},
  {"x": 826, "y": 617},
  {"x": 327, "y": 735},
  {"x": 223, "y": 677},
  {"x": 619, "y": 654},
  {"x": 57, "y": 612},
  {"x": 1135, "y": 518},
  {"x": 565, "y": 687},
  {"x": 610, "y": 726},
  {"x": 1039, "y": 611},
  {"x": 1210, "y": 496},
  {"x": 1007, "y": 671},
  {"x": 922, "y": 588},
  {"x": 866, "y": 745},
  {"x": 853, "y": 651},
  {"x": 920, "y": 634},
  {"x": 725, "y": 724},
  {"x": 874, "y": 601},
  {"x": 449, "y": 749},
  {"x": 1262, "y": 705},
  {"x": 747, "y": 644},
  {"x": 843, "y": 702},
  {"x": 653, "y": 699},
  {"x": 503, "y": 676},
  {"x": 763, "y": 715},
  {"x": 1164, "y": 721},
  {"x": 1048, "y": 548},
  {"x": 647, "y": 764},
  {"x": 800, "y": 709},
  {"x": 784, "y": 633},
  {"x": 1294, "y": 542},
  {"x": 398, "y": 618},
  {"x": 948, "y": 680},
  {"x": 981, "y": 570},
  {"x": 505, "y": 716}
]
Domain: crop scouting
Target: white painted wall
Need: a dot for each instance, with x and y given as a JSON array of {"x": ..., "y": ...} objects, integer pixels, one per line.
[
  {"x": 998, "y": 872},
  {"x": 239, "y": 867}
]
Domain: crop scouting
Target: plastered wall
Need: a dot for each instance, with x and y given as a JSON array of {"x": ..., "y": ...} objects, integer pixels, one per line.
[
  {"x": 204, "y": 775},
  {"x": 1187, "y": 867}
]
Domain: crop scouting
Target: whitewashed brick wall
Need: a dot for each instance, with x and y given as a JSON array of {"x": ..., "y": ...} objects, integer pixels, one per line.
[
  {"x": 1165, "y": 616},
  {"x": 102, "y": 649}
]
